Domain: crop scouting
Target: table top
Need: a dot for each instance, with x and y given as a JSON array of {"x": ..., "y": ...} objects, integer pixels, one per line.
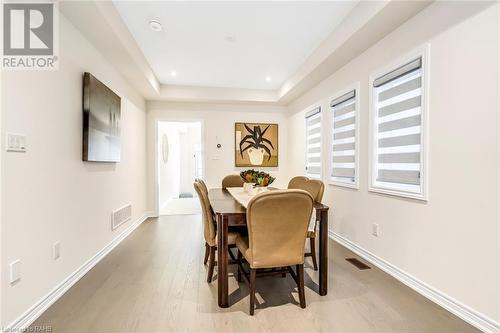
[
  {"x": 244, "y": 197},
  {"x": 223, "y": 203}
]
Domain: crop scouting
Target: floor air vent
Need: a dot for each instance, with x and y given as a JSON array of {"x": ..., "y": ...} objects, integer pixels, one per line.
[
  {"x": 357, "y": 263},
  {"x": 120, "y": 216}
]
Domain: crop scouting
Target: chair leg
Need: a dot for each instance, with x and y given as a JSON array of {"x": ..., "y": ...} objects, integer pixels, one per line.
[
  {"x": 211, "y": 264},
  {"x": 252, "y": 290},
  {"x": 300, "y": 285},
  {"x": 239, "y": 263},
  {"x": 207, "y": 252},
  {"x": 312, "y": 242}
]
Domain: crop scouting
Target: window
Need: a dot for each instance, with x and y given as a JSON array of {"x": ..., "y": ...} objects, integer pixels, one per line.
[
  {"x": 313, "y": 143},
  {"x": 344, "y": 142},
  {"x": 397, "y": 131}
]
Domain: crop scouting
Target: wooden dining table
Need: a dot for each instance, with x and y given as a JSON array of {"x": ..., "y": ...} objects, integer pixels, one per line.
[{"x": 230, "y": 213}]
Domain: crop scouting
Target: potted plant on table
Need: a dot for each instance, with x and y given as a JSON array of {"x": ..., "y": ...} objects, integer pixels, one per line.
[{"x": 255, "y": 178}]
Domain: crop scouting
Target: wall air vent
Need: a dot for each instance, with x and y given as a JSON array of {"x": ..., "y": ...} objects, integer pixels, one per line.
[
  {"x": 360, "y": 265},
  {"x": 120, "y": 216}
]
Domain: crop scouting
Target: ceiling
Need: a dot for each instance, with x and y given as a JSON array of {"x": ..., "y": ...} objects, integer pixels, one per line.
[
  {"x": 230, "y": 44},
  {"x": 297, "y": 44}
]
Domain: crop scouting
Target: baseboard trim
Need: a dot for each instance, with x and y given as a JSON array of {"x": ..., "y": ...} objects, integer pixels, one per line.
[
  {"x": 27, "y": 318},
  {"x": 459, "y": 309}
]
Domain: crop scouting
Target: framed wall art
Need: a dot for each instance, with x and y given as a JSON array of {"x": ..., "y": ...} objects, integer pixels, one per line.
[{"x": 256, "y": 144}]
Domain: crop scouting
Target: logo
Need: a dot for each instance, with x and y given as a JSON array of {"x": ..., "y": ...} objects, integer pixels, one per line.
[{"x": 29, "y": 31}]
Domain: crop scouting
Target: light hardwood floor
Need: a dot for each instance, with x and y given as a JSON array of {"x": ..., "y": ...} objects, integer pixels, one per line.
[{"x": 155, "y": 281}]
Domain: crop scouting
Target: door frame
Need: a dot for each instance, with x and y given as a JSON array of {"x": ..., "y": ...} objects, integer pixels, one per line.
[{"x": 157, "y": 153}]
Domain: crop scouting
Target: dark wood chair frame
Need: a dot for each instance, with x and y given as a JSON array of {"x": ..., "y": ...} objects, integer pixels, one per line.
[
  {"x": 250, "y": 278},
  {"x": 210, "y": 255},
  {"x": 312, "y": 254},
  {"x": 210, "y": 258}
]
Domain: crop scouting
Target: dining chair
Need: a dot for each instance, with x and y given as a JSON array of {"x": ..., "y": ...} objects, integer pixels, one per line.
[
  {"x": 202, "y": 183},
  {"x": 277, "y": 226},
  {"x": 209, "y": 231},
  {"x": 315, "y": 188},
  {"x": 232, "y": 181}
]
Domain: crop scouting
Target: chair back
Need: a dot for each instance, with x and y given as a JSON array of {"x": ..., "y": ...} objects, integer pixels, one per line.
[
  {"x": 314, "y": 187},
  {"x": 277, "y": 226},
  {"x": 206, "y": 212},
  {"x": 232, "y": 181},
  {"x": 202, "y": 183}
]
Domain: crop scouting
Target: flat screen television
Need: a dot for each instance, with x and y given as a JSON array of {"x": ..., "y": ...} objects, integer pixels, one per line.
[{"x": 101, "y": 121}]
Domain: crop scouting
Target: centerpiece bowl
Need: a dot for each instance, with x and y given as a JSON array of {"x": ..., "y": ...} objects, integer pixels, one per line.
[{"x": 256, "y": 178}]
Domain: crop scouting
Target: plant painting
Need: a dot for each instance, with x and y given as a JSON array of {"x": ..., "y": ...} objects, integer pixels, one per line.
[{"x": 256, "y": 144}]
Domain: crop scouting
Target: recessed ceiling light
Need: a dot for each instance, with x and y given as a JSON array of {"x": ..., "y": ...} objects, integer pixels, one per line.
[
  {"x": 173, "y": 73},
  {"x": 268, "y": 78},
  {"x": 155, "y": 25}
]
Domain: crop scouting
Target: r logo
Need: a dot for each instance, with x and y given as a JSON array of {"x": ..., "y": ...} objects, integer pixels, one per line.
[{"x": 28, "y": 29}]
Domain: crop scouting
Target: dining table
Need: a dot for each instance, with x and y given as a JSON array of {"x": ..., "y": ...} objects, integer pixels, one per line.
[{"x": 229, "y": 212}]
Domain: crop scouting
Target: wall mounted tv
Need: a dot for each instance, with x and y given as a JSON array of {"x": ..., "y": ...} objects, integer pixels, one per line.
[{"x": 101, "y": 121}]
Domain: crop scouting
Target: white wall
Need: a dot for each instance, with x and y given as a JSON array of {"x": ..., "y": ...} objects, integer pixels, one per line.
[
  {"x": 452, "y": 241},
  {"x": 48, "y": 193},
  {"x": 1, "y": 201},
  {"x": 218, "y": 124}
]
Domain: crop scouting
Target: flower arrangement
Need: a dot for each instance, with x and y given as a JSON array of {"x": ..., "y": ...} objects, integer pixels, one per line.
[{"x": 257, "y": 177}]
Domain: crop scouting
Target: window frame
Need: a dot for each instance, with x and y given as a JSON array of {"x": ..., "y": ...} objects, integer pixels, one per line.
[
  {"x": 356, "y": 87},
  {"x": 373, "y": 185},
  {"x": 308, "y": 110}
]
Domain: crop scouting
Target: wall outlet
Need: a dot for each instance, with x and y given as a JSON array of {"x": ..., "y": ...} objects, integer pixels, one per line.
[
  {"x": 375, "y": 229},
  {"x": 15, "y": 271},
  {"x": 56, "y": 250}
]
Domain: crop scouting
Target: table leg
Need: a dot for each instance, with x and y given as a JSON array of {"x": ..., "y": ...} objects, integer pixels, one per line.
[
  {"x": 222, "y": 253},
  {"x": 323, "y": 253}
]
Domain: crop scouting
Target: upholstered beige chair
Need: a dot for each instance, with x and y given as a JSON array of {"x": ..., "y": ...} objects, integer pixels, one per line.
[
  {"x": 232, "y": 181},
  {"x": 277, "y": 226},
  {"x": 316, "y": 189},
  {"x": 209, "y": 231}
]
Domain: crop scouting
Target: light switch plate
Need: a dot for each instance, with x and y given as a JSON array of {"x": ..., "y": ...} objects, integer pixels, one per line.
[
  {"x": 15, "y": 271},
  {"x": 56, "y": 250},
  {"x": 16, "y": 143}
]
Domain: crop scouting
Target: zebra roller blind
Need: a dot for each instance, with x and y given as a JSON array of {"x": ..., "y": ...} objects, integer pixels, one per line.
[
  {"x": 343, "y": 168},
  {"x": 398, "y": 127},
  {"x": 313, "y": 143}
]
